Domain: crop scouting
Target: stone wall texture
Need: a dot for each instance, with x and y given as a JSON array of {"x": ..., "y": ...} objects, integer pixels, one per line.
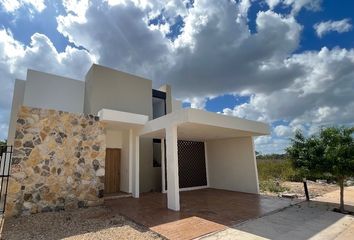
[{"x": 58, "y": 162}]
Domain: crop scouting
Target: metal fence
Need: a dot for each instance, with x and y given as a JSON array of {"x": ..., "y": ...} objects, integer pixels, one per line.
[{"x": 5, "y": 163}]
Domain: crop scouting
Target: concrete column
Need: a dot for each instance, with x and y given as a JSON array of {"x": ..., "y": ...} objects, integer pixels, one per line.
[
  {"x": 163, "y": 165},
  {"x": 255, "y": 163},
  {"x": 131, "y": 159},
  {"x": 172, "y": 169},
  {"x": 136, "y": 165}
]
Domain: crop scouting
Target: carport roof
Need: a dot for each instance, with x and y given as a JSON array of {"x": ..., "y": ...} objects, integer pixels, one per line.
[{"x": 194, "y": 124}]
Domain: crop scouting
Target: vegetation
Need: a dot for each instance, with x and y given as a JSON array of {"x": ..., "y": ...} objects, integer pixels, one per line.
[
  {"x": 271, "y": 172},
  {"x": 330, "y": 153},
  {"x": 269, "y": 169},
  {"x": 273, "y": 156},
  {"x": 3, "y": 142}
]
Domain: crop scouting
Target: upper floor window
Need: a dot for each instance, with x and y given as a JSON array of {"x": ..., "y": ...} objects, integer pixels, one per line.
[{"x": 158, "y": 103}]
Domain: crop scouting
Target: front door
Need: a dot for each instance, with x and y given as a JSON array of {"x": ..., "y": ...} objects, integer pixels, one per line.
[{"x": 112, "y": 170}]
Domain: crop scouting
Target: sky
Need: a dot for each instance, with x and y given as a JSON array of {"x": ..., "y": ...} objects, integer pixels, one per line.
[{"x": 289, "y": 63}]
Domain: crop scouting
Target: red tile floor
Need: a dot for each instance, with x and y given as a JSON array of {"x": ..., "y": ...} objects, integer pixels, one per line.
[{"x": 202, "y": 211}]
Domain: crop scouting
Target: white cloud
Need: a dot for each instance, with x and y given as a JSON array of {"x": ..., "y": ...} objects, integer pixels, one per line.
[
  {"x": 41, "y": 55},
  {"x": 216, "y": 53},
  {"x": 272, "y": 3},
  {"x": 339, "y": 26},
  {"x": 283, "y": 131},
  {"x": 197, "y": 102},
  {"x": 296, "y": 5},
  {"x": 13, "y": 5}
]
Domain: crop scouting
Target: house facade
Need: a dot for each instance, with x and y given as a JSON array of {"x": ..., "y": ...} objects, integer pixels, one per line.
[{"x": 76, "y": 142}]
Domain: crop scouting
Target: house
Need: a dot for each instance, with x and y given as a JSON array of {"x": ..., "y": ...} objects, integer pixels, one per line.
[{"x": 76, "y": 142}]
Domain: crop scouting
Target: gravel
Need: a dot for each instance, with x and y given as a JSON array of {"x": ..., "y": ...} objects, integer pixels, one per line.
[{"x": 91, "y": 223}]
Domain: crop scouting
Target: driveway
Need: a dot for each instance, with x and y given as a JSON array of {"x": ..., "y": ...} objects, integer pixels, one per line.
[
  {"x": 306, "y": 220},
  {"x": 202, "y": 211}
]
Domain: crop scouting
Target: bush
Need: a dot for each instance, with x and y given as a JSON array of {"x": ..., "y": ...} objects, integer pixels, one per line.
[{"x": 271, "y": 186}]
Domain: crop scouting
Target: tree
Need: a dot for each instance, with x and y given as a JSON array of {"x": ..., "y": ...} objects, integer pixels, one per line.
[
  {"x": 331, "y": 151},
  {"x": 3, "y": 142}
]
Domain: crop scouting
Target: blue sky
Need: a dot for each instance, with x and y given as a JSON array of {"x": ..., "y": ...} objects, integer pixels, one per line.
[{"x": 288, "y": 63}]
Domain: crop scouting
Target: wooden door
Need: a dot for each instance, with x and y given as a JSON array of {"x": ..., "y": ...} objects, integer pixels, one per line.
[{"x": 112, "y": 170}]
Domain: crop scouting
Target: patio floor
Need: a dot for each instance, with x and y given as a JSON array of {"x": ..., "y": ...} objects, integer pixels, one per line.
[{"x": 202, "y": 211}]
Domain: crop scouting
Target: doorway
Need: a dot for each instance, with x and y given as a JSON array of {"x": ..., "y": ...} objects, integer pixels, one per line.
[{"x": 112, "y": 170}]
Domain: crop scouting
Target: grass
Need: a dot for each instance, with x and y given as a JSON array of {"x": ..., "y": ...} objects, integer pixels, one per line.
[{"x": 271, "y": 172}]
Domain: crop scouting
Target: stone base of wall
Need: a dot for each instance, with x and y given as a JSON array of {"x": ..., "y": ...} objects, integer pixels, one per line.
[{"x": 58, "y": 162}]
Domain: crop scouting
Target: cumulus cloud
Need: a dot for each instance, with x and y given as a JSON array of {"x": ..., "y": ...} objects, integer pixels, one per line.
[
  {"x": 128, "y": 44},
  {"x": 41, "y": 55},
  {"x": 283, "y": 131},
  {"x": 339, "y": 26},
  {"x": 296, "y": 5},
  {"x": 14, "y": 5},
  {"x": 215, "y": 53}
]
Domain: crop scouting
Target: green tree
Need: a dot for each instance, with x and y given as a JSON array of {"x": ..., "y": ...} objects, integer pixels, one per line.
[
  {"x": 330, "y": 152},
  {"x": 3, "y": 142}
]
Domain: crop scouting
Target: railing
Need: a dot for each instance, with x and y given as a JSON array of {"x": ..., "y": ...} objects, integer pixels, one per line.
[{"x": 5, "y": 163}]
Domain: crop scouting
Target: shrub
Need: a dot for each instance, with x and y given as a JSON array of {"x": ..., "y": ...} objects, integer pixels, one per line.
[{"x": 272, "y": 186}]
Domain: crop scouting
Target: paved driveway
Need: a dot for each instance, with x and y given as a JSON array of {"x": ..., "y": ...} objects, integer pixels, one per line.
[
  {"x": 202, "y": 211},
  {"x": 307, "y": 220}
]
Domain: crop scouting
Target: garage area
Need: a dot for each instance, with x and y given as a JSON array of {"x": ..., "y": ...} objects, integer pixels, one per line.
[{"x": 202, "y": 211}]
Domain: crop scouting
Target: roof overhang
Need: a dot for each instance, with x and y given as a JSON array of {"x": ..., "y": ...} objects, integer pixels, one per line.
[
  {"x": 194, "y": 124},
  {"x": 119, "y": 119}
]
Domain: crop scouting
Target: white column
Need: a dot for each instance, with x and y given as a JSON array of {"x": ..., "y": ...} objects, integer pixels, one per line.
[
  {"x": 172, "y": 169},
  {"x": 131, "y": 158},
  {"x": 255, "y": 163},
  {"x": 136, "y": 166},
  {"x": 163, "y": 165}
]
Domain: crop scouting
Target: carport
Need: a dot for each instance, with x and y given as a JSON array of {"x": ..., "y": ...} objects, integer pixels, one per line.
[
  {"x": 229, "y": 149},
  {"x": 202, "y": 212}
]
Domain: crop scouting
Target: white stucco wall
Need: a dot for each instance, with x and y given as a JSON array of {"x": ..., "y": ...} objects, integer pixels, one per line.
[
  {"x": 150, "y": 177},
  {"x": 50, "y": 91},
  {"x": 114, "y": 138},
  {"x": 167, "y": 89},
  {"x": 17, "y": 101},
  {"x": 111, "y": 89},
  {"x": 176, "y": 105},
  {"x": 231, "y": 165}
]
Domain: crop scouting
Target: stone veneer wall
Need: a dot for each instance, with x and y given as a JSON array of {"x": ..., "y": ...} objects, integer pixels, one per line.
[{"x": 58, "y": 162}]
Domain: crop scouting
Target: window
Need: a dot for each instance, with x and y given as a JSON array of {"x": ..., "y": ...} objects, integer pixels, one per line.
[{"x": 158, "y": 103}]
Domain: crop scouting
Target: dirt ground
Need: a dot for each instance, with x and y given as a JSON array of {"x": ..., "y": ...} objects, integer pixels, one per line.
[
  {"x": 92, "y": 223},
  {"x": 297, "y": 189}
]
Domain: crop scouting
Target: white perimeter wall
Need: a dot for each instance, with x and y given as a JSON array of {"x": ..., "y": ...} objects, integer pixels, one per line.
[
  {"x": 231, "y": 165},
  {"x": 17, "y": 101},
  {"x": 50, "y": 91}
]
